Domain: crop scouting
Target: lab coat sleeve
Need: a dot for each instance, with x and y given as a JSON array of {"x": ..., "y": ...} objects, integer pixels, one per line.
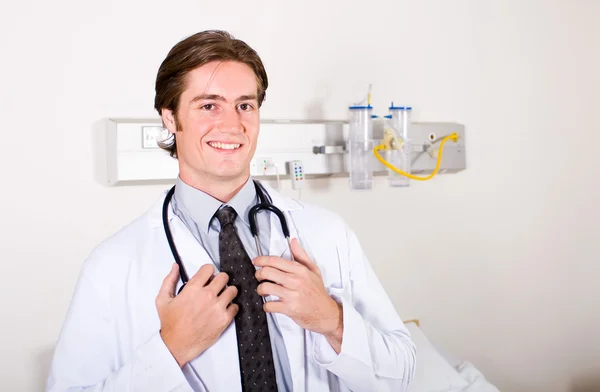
[
  {"x": 377, "y": 352},
  {"x": 87, "y": 357}
]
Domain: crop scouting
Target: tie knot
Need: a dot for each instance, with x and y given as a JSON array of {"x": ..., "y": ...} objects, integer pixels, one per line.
[{"x": 226, "y": 215}]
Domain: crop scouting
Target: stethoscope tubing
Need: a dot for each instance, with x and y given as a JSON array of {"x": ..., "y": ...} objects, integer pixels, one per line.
[{"x": 264, "y": 205}]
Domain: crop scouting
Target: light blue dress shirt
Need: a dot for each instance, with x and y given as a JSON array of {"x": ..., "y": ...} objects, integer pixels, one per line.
[{"x": 197, "y": 210}]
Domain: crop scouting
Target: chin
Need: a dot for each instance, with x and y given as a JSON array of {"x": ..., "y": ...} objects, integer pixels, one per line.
[{"x": 230, "y": 175}]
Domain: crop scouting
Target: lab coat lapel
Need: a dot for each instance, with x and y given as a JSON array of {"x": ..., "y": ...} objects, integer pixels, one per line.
[{"x": 293, "y": 334}]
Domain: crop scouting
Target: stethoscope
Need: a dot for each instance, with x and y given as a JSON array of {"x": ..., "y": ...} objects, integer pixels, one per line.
[{"x": 265, "y": 203}]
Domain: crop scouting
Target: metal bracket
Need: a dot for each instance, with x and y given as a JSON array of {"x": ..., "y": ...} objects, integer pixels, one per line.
[{"x": 329, "y": 149}]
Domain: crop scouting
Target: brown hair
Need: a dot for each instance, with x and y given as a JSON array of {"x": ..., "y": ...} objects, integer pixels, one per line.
[{"x": 193, "y": 52}]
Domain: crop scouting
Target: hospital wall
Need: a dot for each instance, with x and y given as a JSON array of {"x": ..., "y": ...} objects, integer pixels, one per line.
[{"x": 499, "y": 262}]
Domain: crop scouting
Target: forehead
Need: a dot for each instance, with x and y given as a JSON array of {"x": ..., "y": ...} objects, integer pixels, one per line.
[{"x": 229, "y": 79}]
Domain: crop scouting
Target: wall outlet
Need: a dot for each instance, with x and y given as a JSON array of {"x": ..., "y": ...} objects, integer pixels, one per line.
[{"x": 265, "y": 166}]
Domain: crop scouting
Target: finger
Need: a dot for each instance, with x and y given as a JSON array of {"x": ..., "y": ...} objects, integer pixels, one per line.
[
  {"x": 218, "y": 282},
  {"x": 203, "y": 275},
  {"x": 276, "y": 262},
  {"x": 232, "y": 311},
  {"x": 274, "y": 307},
  {"x": 267, "y": 288},
  {"x": 228, "y": 295},
  {"x": 167, "y": 289},
  {"x": 272, "y": 274},
  {"x": 302, "y": 257}
]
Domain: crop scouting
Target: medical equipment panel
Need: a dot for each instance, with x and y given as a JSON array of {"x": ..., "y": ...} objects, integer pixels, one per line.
[
  {"x": 297, "y": 174},
  {"x": 322, "y": 148}
]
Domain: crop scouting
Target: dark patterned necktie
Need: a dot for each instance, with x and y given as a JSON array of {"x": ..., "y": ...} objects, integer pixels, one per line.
[{"x": 254, "y": 345}]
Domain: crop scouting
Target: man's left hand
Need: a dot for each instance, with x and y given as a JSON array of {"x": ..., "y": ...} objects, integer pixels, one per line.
[{"x": 302, "y": 294}]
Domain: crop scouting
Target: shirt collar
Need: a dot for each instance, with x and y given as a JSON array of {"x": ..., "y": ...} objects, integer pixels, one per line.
[{"x": 201, "y": 206}]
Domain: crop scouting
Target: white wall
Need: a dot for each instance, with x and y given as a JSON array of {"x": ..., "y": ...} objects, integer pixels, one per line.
[{"x": 499, "y": 262}]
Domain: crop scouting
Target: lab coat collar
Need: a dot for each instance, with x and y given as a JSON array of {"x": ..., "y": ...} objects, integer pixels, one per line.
[{"x": 284, "y": 203}]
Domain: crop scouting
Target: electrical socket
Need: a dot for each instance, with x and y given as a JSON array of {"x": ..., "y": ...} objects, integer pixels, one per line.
[{"x": 265, "y": 166}]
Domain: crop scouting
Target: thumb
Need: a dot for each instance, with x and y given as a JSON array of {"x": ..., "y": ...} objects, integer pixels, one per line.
[
  {"x": 302, "y": 257},
  {"x": 167, "y": 290}
]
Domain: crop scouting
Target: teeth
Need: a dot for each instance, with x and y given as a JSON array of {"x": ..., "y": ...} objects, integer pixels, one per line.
[{"x": 224, "y": 146}]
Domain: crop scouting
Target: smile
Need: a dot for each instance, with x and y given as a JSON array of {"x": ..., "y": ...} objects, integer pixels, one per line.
[{"x": 224, "y": 146}]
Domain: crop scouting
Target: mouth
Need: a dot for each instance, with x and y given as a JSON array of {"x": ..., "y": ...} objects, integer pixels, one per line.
[{"x": 225, "y": 146}]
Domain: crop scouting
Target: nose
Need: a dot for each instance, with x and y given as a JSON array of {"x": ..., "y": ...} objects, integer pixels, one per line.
[{"x": 231, "y": 122}]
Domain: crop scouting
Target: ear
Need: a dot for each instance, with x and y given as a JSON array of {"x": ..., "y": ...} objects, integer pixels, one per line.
[{"x": 168, "y": 119}]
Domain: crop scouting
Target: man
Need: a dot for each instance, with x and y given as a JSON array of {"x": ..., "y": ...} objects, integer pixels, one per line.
[{"x": 243, "y": 322}]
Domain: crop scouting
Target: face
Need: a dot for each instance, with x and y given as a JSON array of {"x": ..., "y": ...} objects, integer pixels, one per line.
[{"x": 217, "y": 123}]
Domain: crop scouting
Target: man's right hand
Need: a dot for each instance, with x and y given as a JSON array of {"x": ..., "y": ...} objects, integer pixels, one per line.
[{"x": 193, "y": 320}]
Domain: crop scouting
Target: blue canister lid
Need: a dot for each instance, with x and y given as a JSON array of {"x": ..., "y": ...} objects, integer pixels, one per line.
[
  {"x": 392, "y": 107},
  {"x": 360, "y": 107}
]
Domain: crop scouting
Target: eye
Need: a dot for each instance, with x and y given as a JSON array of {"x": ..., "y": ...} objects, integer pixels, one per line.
[
  {"x": 208, "y": 106},
  {"x": 246, "y": 107}
]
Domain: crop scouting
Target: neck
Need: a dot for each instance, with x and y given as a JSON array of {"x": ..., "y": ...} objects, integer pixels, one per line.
[{"x": 221, "y": 189}]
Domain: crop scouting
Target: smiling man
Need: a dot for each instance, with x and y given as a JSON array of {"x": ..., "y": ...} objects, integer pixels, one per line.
[
  {"x": 316, "y": 319},
  {"x": 216, "y": 125}
]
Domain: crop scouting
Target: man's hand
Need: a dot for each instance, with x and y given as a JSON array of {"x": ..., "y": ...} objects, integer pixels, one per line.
[
  {"x": 192, "y": 321},
  {"x": 302, "y": 294}
]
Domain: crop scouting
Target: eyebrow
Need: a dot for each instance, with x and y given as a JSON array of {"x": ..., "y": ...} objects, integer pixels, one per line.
[{"x": 216, "y": 97}]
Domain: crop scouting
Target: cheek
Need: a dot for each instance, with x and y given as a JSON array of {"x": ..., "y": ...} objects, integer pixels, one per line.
[
  {"x": 197, "y": 129},
  {"x": 252, "y": 126}
]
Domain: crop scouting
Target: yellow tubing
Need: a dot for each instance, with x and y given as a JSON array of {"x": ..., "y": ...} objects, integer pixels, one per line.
[{"x": 453, "y": 136}]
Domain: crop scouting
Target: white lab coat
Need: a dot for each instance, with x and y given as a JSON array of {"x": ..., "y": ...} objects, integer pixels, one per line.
[{"x": 110, "y": 339}]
